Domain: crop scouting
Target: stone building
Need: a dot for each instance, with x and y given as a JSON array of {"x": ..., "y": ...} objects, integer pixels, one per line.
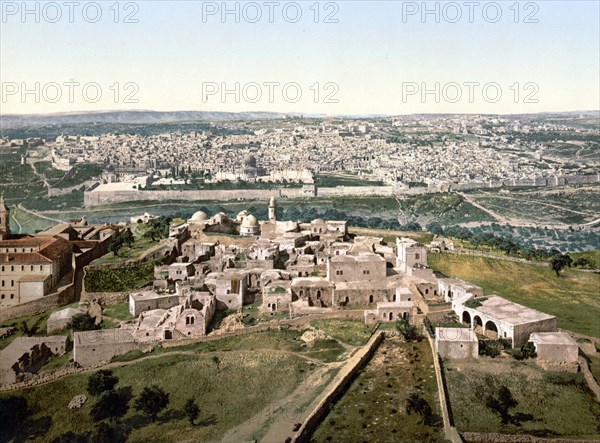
[
  {"x": 556, "y": 351},
  {"x": 390, "y": 312},
  {"x": 31, "y": 266},
  {"x": 143, "y": 301},
  {"x": 315, "y": 291},
  {"x": 229, "y": 287},
  {"x": 249, "y": 227},
  {"x": 456, "y": 343},
  {"x": 496, "y": 317},
  {"x": 277, "y": 296},
  {"x": 410, "y": 254},
  {"x": 354, "y": 268},
  {"x": 94, "y": 347}
]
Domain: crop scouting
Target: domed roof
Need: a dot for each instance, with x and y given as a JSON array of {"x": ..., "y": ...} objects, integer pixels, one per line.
[
  {"x": 242, "y": 214},
  {"x": 250, "y": 221},
  {"x": 250, "y": 161},
  {"x": 318, "y": 220},
  {"x": 199, "y": 216}
]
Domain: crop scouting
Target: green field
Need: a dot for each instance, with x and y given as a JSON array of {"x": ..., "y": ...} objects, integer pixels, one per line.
[
  {"x": 22, "y": 222},
  {"x": 572, "y": 298},
  {"x": 558, "y": 404},
  {"x": 374, "y": 407},
  {"x": 120, "y": 279},
  {"x": 244, "y": 385}
]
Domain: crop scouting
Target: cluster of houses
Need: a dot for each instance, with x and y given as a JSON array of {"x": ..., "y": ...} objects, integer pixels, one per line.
[{"x": 311, "y": 268}]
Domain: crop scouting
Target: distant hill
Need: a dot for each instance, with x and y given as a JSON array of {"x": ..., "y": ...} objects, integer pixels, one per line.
[{"x": 129, "y": 117}]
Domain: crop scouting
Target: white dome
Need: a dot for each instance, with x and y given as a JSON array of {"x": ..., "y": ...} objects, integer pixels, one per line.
[
  {"x": 250, "y": 221},
  {"x": 200, "y": 216}
]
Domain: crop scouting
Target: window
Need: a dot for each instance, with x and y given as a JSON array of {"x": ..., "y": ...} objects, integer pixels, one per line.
[
  {"x": 12, "y": 296},
  {"x": 12, "y": 282},
  {"x": 31, "y": 268},
  {"x": 366, "y": 272},
  {"x": 416, "y": 256},
  {"x": 2, "y": 297}
]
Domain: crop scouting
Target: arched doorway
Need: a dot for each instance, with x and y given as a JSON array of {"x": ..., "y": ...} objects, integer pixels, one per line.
[
  {"x": 390, "y": 316},
  {"x": 318, "y": 295},
  {"x": 491, "y": 330},
  {"x": 466, "y": 318},
  {"x": 370, "y": 299},
  {"x": 478, "y": 324}
]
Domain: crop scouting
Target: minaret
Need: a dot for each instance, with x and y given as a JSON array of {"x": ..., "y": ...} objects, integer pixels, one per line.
[
  {"x": 272, "y": 216},
  {"x": 4, "y": 217}
]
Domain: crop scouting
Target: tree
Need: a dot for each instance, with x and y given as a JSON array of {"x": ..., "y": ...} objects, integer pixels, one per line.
[
  {"x": 83, "y": 322},
  {"x": 191, "y": 409},
  {"x": 128, "y": 238},
  {"x": 408, "y": 331},
  {"x": 101, "y": 381},
  {"x": 109, "y": 432},
  {"x": 559, "y": 262},
  {"x": 217, "y": 361},
  {"x": 71, "y": 437},
  {"x": 111, "y": 404},
  {"x": 151, "y": 401},
  {"x": 116, "y": 244},
  {"x": 502, "y": 404},
  {"x": 415, "y": 404},
  {"x": 581, "y": 262},
  {"x": 14, "y": 411},
  {"x": 157, "y": 228}
]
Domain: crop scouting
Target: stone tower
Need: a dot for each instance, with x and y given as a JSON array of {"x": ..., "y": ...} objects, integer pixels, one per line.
[
  {"x": 4, "y": 220},
  {"x": 272, "y": 207}
]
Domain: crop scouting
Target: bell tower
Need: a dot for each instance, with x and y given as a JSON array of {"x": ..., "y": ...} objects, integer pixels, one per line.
[{"x": 4, "y": 220}]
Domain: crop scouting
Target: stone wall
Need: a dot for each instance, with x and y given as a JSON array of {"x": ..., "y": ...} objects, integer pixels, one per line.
[
  {"x": 509, "y": 438},
  {"x": 39, "y": 306},
  {"x": 105, "y": 298},
  {"x": 340, "y": 384}
]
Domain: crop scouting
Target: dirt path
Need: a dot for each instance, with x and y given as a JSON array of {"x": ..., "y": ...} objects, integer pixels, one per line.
[
  {"x": 281, "y": 416},
  {"x": 38, "y": 214},
  {"x": 498, "y": 217}
]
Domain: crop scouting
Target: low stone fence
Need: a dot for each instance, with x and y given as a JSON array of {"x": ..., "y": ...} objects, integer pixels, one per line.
[
  {"x": 449, "y": 429},
  {"x": 264, "y": 327},
  {"x": 46, "y": 377},
  {"x": 509, "y": 438},
  {"x": 338, "y": 387}
]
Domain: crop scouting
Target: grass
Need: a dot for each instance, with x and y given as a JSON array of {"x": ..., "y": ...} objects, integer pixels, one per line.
[
  {"x": 560, "y": 404},
  {"x": 592, "y": 256},
  {"x": 245, "y": 384},
  {"x": 350, "y": 332},
  {"x": 120, "y": 279},
  {"x": 373, "y": 408},
  {"x": 572, "y": 298},
  {"x": 140, "y": 245},
  {"x": 29, "y": 223},
  {"x": 112, "y": 315}
]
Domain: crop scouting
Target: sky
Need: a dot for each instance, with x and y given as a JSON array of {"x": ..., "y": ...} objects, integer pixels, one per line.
[{"x": 343, "y": 57}]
